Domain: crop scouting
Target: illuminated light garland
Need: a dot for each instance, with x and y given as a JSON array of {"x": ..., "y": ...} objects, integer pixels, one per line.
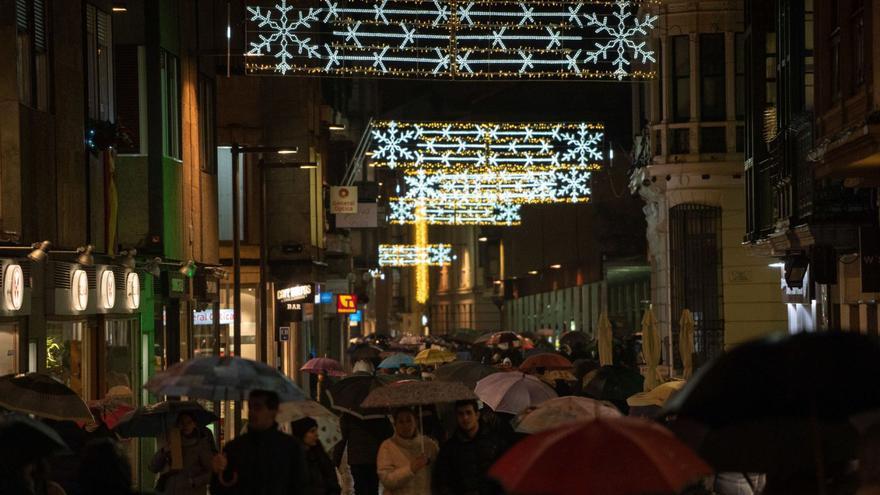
[
  {"x": 421, "y": 238},
  {"x": 555, "y": 186},
  {"x": 440, "y": 212},
  {"x": 452, "y": 39},
  {"x": 404, "y": 255}
]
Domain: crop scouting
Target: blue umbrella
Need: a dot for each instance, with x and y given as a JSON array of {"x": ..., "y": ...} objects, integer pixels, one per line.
[{"x": 397, "y": 360}]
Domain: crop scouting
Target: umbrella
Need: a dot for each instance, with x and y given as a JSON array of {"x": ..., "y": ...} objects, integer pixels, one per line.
[
  {"x": 347, "y": 394},
  {"x": 466, "y": 372},
  {"x": 650, "y": 348},
  {"x": 410, "y": 340},
  {"x": 564, "y": 410},
  {"x": 323, "y": 365},
  {"x": 608, "y": 456},
  {"x": 44, "y": 396},
  {"x": 686, "y": 342},
  {"x": 111, "y": 411},
  {"x": 550, "y": 377},
  {"x": 606, "y": 340},
  {"x": 364, "y": 352},
  {"x": 573, "y": 338},
  {"x": 154, "y": 420},
  {"x": 416, "y": 393},
  {"x": 657, "y": 396},
  {"x": 802, "y": 387},
  {"x": 513, "y": 392},
  {"x": 26, "y": 439},
  {"x": 432, "y": 357},
  {"x": 503, "y": 338},
  {"x": 329, "y": 432},
  {"x": 547, "y": 360},
  {"x": 612, "y": 383},
  {"x": 396, "y": 361},
  {"x": 218, "y": 378}
]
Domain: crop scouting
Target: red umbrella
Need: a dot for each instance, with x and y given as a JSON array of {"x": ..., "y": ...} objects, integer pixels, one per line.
[
  {"x": 607, "y": 456},
  {"x": 550, "y": 361},
  {"x": 323, "y": 365}
]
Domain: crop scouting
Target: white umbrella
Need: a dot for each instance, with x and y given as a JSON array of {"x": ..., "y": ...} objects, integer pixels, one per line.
[{"x": 329, "y": 431}]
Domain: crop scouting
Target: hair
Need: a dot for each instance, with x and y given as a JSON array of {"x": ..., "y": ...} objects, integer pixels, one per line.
[
  {"x": 270, "y": 398},
  {"x": 300, "y": 427},
  {"x": 397, "y": 412},
  {"x": 465, "y": 403}
]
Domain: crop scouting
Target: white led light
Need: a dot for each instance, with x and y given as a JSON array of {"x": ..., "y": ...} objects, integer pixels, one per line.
[
  {"x": 415, "y": 255},
  {"x": 452, "y": 39}
]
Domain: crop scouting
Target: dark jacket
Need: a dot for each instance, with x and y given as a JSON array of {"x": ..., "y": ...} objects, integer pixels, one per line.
[
  {"x": 463, "y": 463},
  {"x": 265, "y": 462},
  {"x": 321, "y": 472},
  {"x": 363, "y": 438},
  {"x": 196, "y": 472}
]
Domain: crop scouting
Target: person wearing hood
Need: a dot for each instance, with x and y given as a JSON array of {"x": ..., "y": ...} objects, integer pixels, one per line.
[
  {"x": 404, "y": 462},
  {"x": 197, "y": 452},
  {"x": 322, "y": 478}
]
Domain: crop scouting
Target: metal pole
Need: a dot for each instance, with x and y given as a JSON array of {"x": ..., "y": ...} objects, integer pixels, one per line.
[
  {"x": 236, "y": 269},
  {"x": 263, "y": 351}
]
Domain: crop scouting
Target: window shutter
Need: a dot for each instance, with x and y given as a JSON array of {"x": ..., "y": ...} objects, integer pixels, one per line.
[
  {"x": 40, "y": 25},
  {"x": 128, "y": 96},
  {"x": 21, "y": 14}
]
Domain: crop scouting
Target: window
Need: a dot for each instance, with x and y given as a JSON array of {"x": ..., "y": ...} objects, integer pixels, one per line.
[
  {"x": 67, "y": 354},
  {"x": 740, "y": 139},
  {"x": 712, "y": 100},
  {"x": 713, "y": 140},
  {"x": 681, "y": 79},
  {"x": 169, "y": 69},
  {"x": 99, "y": 65},
  {"x": 739, "y": 48},
  {"x": 32, "y": 53},
  {"x": 695, "y": 259},
  {"x": 858, "y": 40},
  {"x": 809, "y": 60},
  {"x": 129, "y": 65},
  {"x": 680, "y": 142},
  {"x": 207, "y": 139}
]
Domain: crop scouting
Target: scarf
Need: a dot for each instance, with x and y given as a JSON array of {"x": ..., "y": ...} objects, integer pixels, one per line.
[{"x": 412, "y": 447}]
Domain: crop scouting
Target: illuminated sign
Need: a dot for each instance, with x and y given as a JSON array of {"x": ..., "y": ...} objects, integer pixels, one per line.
[
  {"x": 206, "y": 317},
  {"x": 346, "y": 303},
  {"x": 13, "y": 287},
  {"x": 326, "y": 298},
  {"x": 79, "y": 290},
  {"x": 356, "y": 317},
  {"x": 133, "y": 290},
  {"x": 452, "y": 39},
  {"x": 107, "y": 289},
  {"x": 295, "y": 293}
]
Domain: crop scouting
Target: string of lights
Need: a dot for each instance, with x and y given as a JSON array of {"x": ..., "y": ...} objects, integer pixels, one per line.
[
  {"x": 452, "y": 39},
  {"x": 405, "y": 255}
]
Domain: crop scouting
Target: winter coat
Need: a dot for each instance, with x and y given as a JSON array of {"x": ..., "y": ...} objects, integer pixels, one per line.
[
  {"x": 267, "y": 462},
  {"x": 393, "y": 463},
  {"x": 363, "y": 437},
  {"x": 463, "y": 462},
  {"x": 322, "y": 478},
  {"x": 196, "y": 472}
]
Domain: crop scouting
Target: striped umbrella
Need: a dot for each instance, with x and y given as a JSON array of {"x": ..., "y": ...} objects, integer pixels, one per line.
[
  {"x": 43, "y": 396},
  {"x": 217, "y": 378}
]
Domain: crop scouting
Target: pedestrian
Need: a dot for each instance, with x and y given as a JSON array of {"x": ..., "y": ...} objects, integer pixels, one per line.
[
  {"x": 104, "y": 469},
  {"x": 466, "y": 457},
  {"x": 262, "y": 461},
  {"x": 361, "y": 438},
  {"x": 322, "y": 478},
  {"x": 196, "y": 451},
  {"x": 404, "y": 460}
]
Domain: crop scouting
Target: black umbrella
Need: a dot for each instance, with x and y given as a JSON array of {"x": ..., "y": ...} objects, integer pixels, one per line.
[
  {"x": 347, "y": 394},
  {"x": 466, "y": 372},
  {"x": 365, "y": 352},
  {"x": 783, "y": 400},
  {"x": 613, "y": 383},
  {"x": 154, "y": 420},
  {"x": 25, "y": 439},
  {"x": 44, "y": 396}
]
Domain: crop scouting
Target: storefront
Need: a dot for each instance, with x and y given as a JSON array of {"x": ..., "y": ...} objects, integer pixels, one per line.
[
  {"x": 15, "y": 306},
  {"x": 208, "y": 339},
  {"x": 294, "y": 326}
]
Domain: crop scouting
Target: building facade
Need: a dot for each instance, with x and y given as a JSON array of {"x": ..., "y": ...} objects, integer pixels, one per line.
[{"x": 688, "y": 170}]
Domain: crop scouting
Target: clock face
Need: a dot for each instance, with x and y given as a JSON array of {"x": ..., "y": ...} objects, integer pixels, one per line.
[
  {"x": 133, "y": 290},
  {"x": 108, "y": 289},
  {"x": 79, "y": 290},
  {"x": 13, "y": 287}
]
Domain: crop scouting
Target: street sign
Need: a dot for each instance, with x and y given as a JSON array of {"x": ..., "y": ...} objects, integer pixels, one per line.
[
  {"x": 343, "y": 199},
  {"x": 284, "y": 334},
  {"x": 346, "y": 303}
]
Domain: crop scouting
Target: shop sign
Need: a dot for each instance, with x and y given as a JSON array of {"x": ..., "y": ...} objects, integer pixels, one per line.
[
  {"x": 356, "y": 317},
  {"x": 13, "y": 287},
  {"x": 133, "y": 290},
  {"x": 367, "y": 216},
  {"x": 346, "y": 303},
  {"x": 343, "y": 200},
  {"x": 295, "y": 293},
  {"x": 326, "y": 298},
  {"x": 284, "y": 334},
  {"x": 206, "y": 317},
  {"x": 293, "y": 306},
  {"x": 79, "y": 290},
  {"x": 107, "y": 289}
]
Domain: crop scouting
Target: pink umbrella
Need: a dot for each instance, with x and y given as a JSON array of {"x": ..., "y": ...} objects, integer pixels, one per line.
[
  {"x": 323, "y": 365},
  {"x": 513, "y": 392}
]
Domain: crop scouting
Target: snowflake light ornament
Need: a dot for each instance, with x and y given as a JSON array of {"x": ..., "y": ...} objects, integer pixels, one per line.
[
  {"x": 283, "y": 34},
  {"x": 582, "y": 146},
  {"x": 573, "y": 185},
  {"x": 507, "y": 214},
  {"x": 393, "y": 144},
  {"x": 402, "y": 212},
  {"x": 622, "y": 38},
  {"x": 421, "y": 185}
]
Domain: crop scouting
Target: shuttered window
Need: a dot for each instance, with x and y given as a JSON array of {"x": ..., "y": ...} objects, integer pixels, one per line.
[
  {"x": 33, "y": 47},
  {"x": 99, "y": 70}
]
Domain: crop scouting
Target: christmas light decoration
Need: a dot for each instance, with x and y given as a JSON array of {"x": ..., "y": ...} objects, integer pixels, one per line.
[
  {"x": 404, "y": 255},
  {"x": 438, "y": 212},
  {"x": 423, "y": 288},
  {"x": 482, "y": 39}
]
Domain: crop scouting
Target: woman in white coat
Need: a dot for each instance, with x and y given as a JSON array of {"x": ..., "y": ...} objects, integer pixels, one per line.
[{"x": 404, "y": 460}]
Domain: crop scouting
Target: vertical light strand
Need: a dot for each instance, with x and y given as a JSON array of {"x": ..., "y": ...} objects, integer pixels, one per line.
[{"x": 421, "y": 241}]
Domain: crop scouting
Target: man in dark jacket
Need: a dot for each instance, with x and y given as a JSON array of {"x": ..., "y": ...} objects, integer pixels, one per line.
[
  {"x": 362, "y": 437},
  {"x": 467, "y": 456},
  {"x": 263, "y": 461}
]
